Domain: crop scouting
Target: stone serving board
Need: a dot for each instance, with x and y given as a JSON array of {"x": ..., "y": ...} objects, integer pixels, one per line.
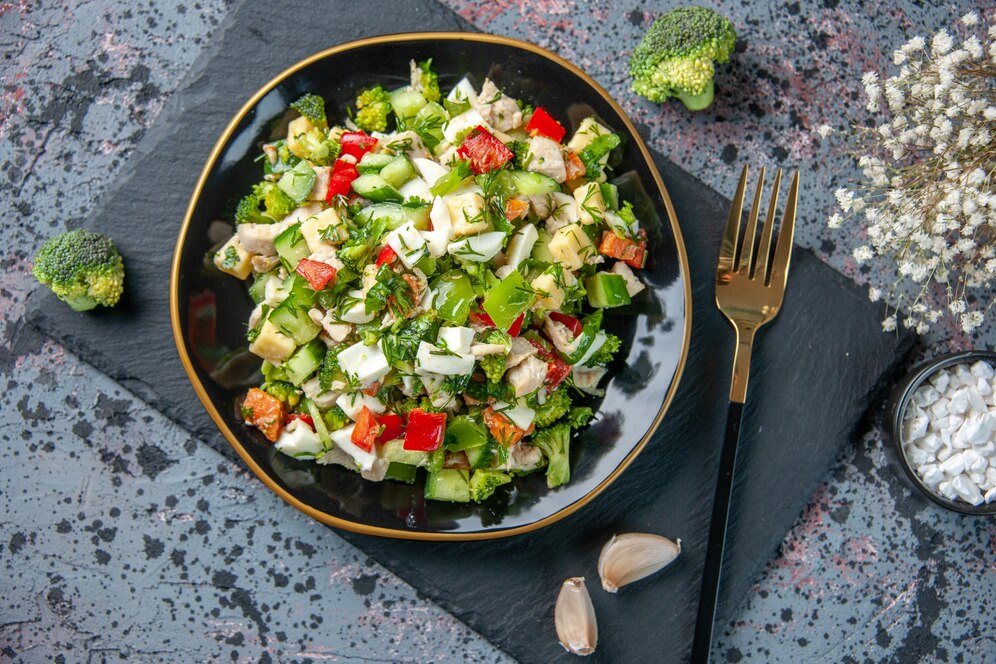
[{"x": 817, "y": 369}]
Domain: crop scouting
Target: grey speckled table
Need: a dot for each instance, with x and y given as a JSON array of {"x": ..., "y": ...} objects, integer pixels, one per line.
[{"x": 123, "y": 539}]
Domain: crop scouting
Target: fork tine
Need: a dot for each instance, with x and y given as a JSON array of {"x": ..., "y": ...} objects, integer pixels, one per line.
[
  {"x": 783, "y": 252},
  {"x": 761, "y": 268},
  {"x": 728, "y": 249},
  {"x": 747, "y": 254}
]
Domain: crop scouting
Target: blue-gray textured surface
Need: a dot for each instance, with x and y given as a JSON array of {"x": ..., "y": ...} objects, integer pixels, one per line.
[{"x": 123, "y": 538}]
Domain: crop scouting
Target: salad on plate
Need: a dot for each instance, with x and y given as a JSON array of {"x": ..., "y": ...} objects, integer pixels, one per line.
[{"x": 430, "y": 278}]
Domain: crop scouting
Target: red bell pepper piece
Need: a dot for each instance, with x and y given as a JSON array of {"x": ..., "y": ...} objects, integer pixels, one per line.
[
  {"x": 631, "y": 252},
  {"x": 516, "y": 327},
  {"x": 386, "y": 255},
  {"x": 392, "y": 426},
  {"x": 484, "y": 151},
  {"x": 556, "y": 371},
  {"x": 543, "y": 123},
  {"x": 481, "y": 318},
  {"x": 340, "y": 183},
  {"x": 570, "y": 322},
  {"x": 290, "y": 417},
  {"x": 542, "y": 351},
  {"x": 425, "y": 430},
  {"x": 318, "y": 274},
  {"x": 366, "y": 430},
  {"x": 265, "y": 412},
  {"x": 356, "y": 143}
]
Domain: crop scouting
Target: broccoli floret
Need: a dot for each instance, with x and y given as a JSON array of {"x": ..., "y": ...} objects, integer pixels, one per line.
[
  {"x": 494, "y": 365},
  {"x": 677, "y": 55},
  {"x": 286, "y": 392},
  {"x": 312, "y": 107},
  {"x": 604, "y": 355},
  {"x": 555, "y": 442},
  {"x": 426, "y": 81},
  {"x": 373, "y": 105},
  {"x": 555, "y": 407},
  {"x": 336, "y": 418},
  {"x": 579, "y": 417},
  {"x": 316, "y": 146},
  {"x": 82, "y": 268},
  {"x": 483, "y": 483},
  {"x": 330, "y": 370},
  {"x": 265, "y": 204}
]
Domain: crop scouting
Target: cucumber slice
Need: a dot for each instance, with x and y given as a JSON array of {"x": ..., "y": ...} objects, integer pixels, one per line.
[
  {"x": 398, "y": 171},
  {"x": 395, "y": 452},
  {"x": 373, "y": 187},
  {"x": 293, "y": 320},
  {"x": 448, "y": 484},
  {"x": 541, "y": 250},
  {"x": 291, "y": 247},
  {"x": 606, "y": 290},
  {"x": 401, "y": 472},
  {"x": 298, "y": 181},
  {"x": 407, "y": 103},
  {"x": 395, "y": 215},
  {"x": 372, "y": 163},
  {"x": 610, "y": 194},
  {"x": 305, "y": 361},
  {"x": 528, "y": 183},
  {"x": 258, "y": 289},
  {"x": 481, "y": 456},
  {"x": 463, "y": 433}
]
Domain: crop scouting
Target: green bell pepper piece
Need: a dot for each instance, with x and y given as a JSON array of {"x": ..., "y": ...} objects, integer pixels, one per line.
[
  {"x": 462, "y": 433},
  {"x": 452, "y": 180},
  {"x": 454, "y": 296},
  {"x": 509, "y": 298}
]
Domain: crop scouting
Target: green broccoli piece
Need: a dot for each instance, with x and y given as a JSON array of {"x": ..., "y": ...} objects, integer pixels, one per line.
[
  {"x": 82, "y": 268},
  {"x": 330, "y": 370},
  {"x": 494, "y": 365},
  {"x": 426, "y": 81},
  {"x": 604, "y": 355},
  {"x": 677, "y": 55},
  {"x": 373, "y": 105},
  {"x": 580, "y": 416},
  {"x": 316, "y": 146},
  {"x": 555, "y": 442},
  {"x": 555, "y": 407},
  {"x": 284, "y": 391},
  {"x": 265, "y": 204},
  {"x": 312, "y": 107},
  {"x": 336, "y": 418},
  {"x": 483, "y": 483}
]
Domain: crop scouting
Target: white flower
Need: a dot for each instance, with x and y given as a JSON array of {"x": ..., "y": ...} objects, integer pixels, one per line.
[
  {"x": 970, "y": 19},
  {"x": 862, "y": 254},
  {"x": 922, "y": 327},
  {"x": 913, "y": 45},
  {"x": 824, "y": 130},
  {"x": 889, "y": 324},
  {"x": 899, "y": 56},
  {"x": 957, "y": 306},
  {"x": 874, "y": 294},
  {"x": 835, "y": 220},
  {"x": 844, "y": 199},
  {"x": 974, "y": 47},
  {"x": 971, "y": 320},
  {"x": 941, "y": 42}
]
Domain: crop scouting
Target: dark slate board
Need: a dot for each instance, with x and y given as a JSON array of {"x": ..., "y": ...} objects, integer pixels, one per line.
[{"x": 816, "y": 369}]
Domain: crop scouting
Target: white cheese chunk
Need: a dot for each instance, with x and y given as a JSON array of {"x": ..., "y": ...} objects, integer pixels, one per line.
[
  {"x": 363, "y": 363},
  {"x": 430, "y": 358},
  {"x": 358, "y": 312},
  {"x": 457, "y": 339},
  {"x": 299, "y": 441}
]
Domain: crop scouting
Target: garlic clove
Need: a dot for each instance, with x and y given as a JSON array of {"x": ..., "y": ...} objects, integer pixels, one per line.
[
  {"x": 574, "y": 617},
  {"x": 633, "y": 556}
]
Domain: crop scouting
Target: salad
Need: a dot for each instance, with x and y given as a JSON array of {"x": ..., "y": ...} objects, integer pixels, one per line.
[{"x": 430, "y": 278}]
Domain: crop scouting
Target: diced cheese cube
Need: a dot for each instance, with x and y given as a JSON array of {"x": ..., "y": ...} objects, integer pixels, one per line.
[
  {"x": 314, "y": 226},
  {"x": 588, "y": 131},
  {"x": 408, "y": 243},
  {"x": 521, "y": 245},
  {"x": 457, "y": 339},
  {"x": 353, "y": 402},
  {"x": 466, "y": 213},
  {"x": 563, "y": 210},
  {"x": 299, "y": 441},
  {"x": 321, "y": 187},
  {"x": 571, "y": 247},
  {"x": 479, "y": 248},
  {"x": 271, "y": 344},
  {"x": 343, "y": 439},
  {"x": 415, "y": 188},
  {"x": 429, "y": 169},
  {"x": 366, "y": 364},
  {"x": 446, "y": 363},
  {"x": 549, "y": 294},
  {"x": 295, "y": 128},
  {"x": 633, "y": 283},
  {"x": 591, "y": 204},
  {"x": 358, "y": 312},
  {"x": 233, "y": 259}
]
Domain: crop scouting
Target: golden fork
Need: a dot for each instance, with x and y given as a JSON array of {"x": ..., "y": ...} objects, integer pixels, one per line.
[{"x": 750, "y": 286}]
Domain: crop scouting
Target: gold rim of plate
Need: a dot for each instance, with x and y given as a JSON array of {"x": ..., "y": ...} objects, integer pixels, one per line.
[{"x": 364, "y": 529}]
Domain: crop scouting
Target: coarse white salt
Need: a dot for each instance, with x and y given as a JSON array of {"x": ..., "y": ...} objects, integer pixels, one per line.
[{"x": 949, "y": 432}]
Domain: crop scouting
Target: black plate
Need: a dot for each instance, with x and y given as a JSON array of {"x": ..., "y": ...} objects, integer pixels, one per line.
[{"x": 209, "y": 310}]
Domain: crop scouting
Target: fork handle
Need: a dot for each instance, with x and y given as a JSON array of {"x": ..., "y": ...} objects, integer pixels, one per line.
[
  {"x": 712, "y": 572},
  {"x": 741, "y": 360}
]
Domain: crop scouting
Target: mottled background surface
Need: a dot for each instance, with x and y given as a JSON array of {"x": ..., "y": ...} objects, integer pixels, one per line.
[{"x": 124, "y": 539}]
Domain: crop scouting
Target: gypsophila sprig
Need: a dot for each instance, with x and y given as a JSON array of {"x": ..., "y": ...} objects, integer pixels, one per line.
[{"x": 928, "y": 201}]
